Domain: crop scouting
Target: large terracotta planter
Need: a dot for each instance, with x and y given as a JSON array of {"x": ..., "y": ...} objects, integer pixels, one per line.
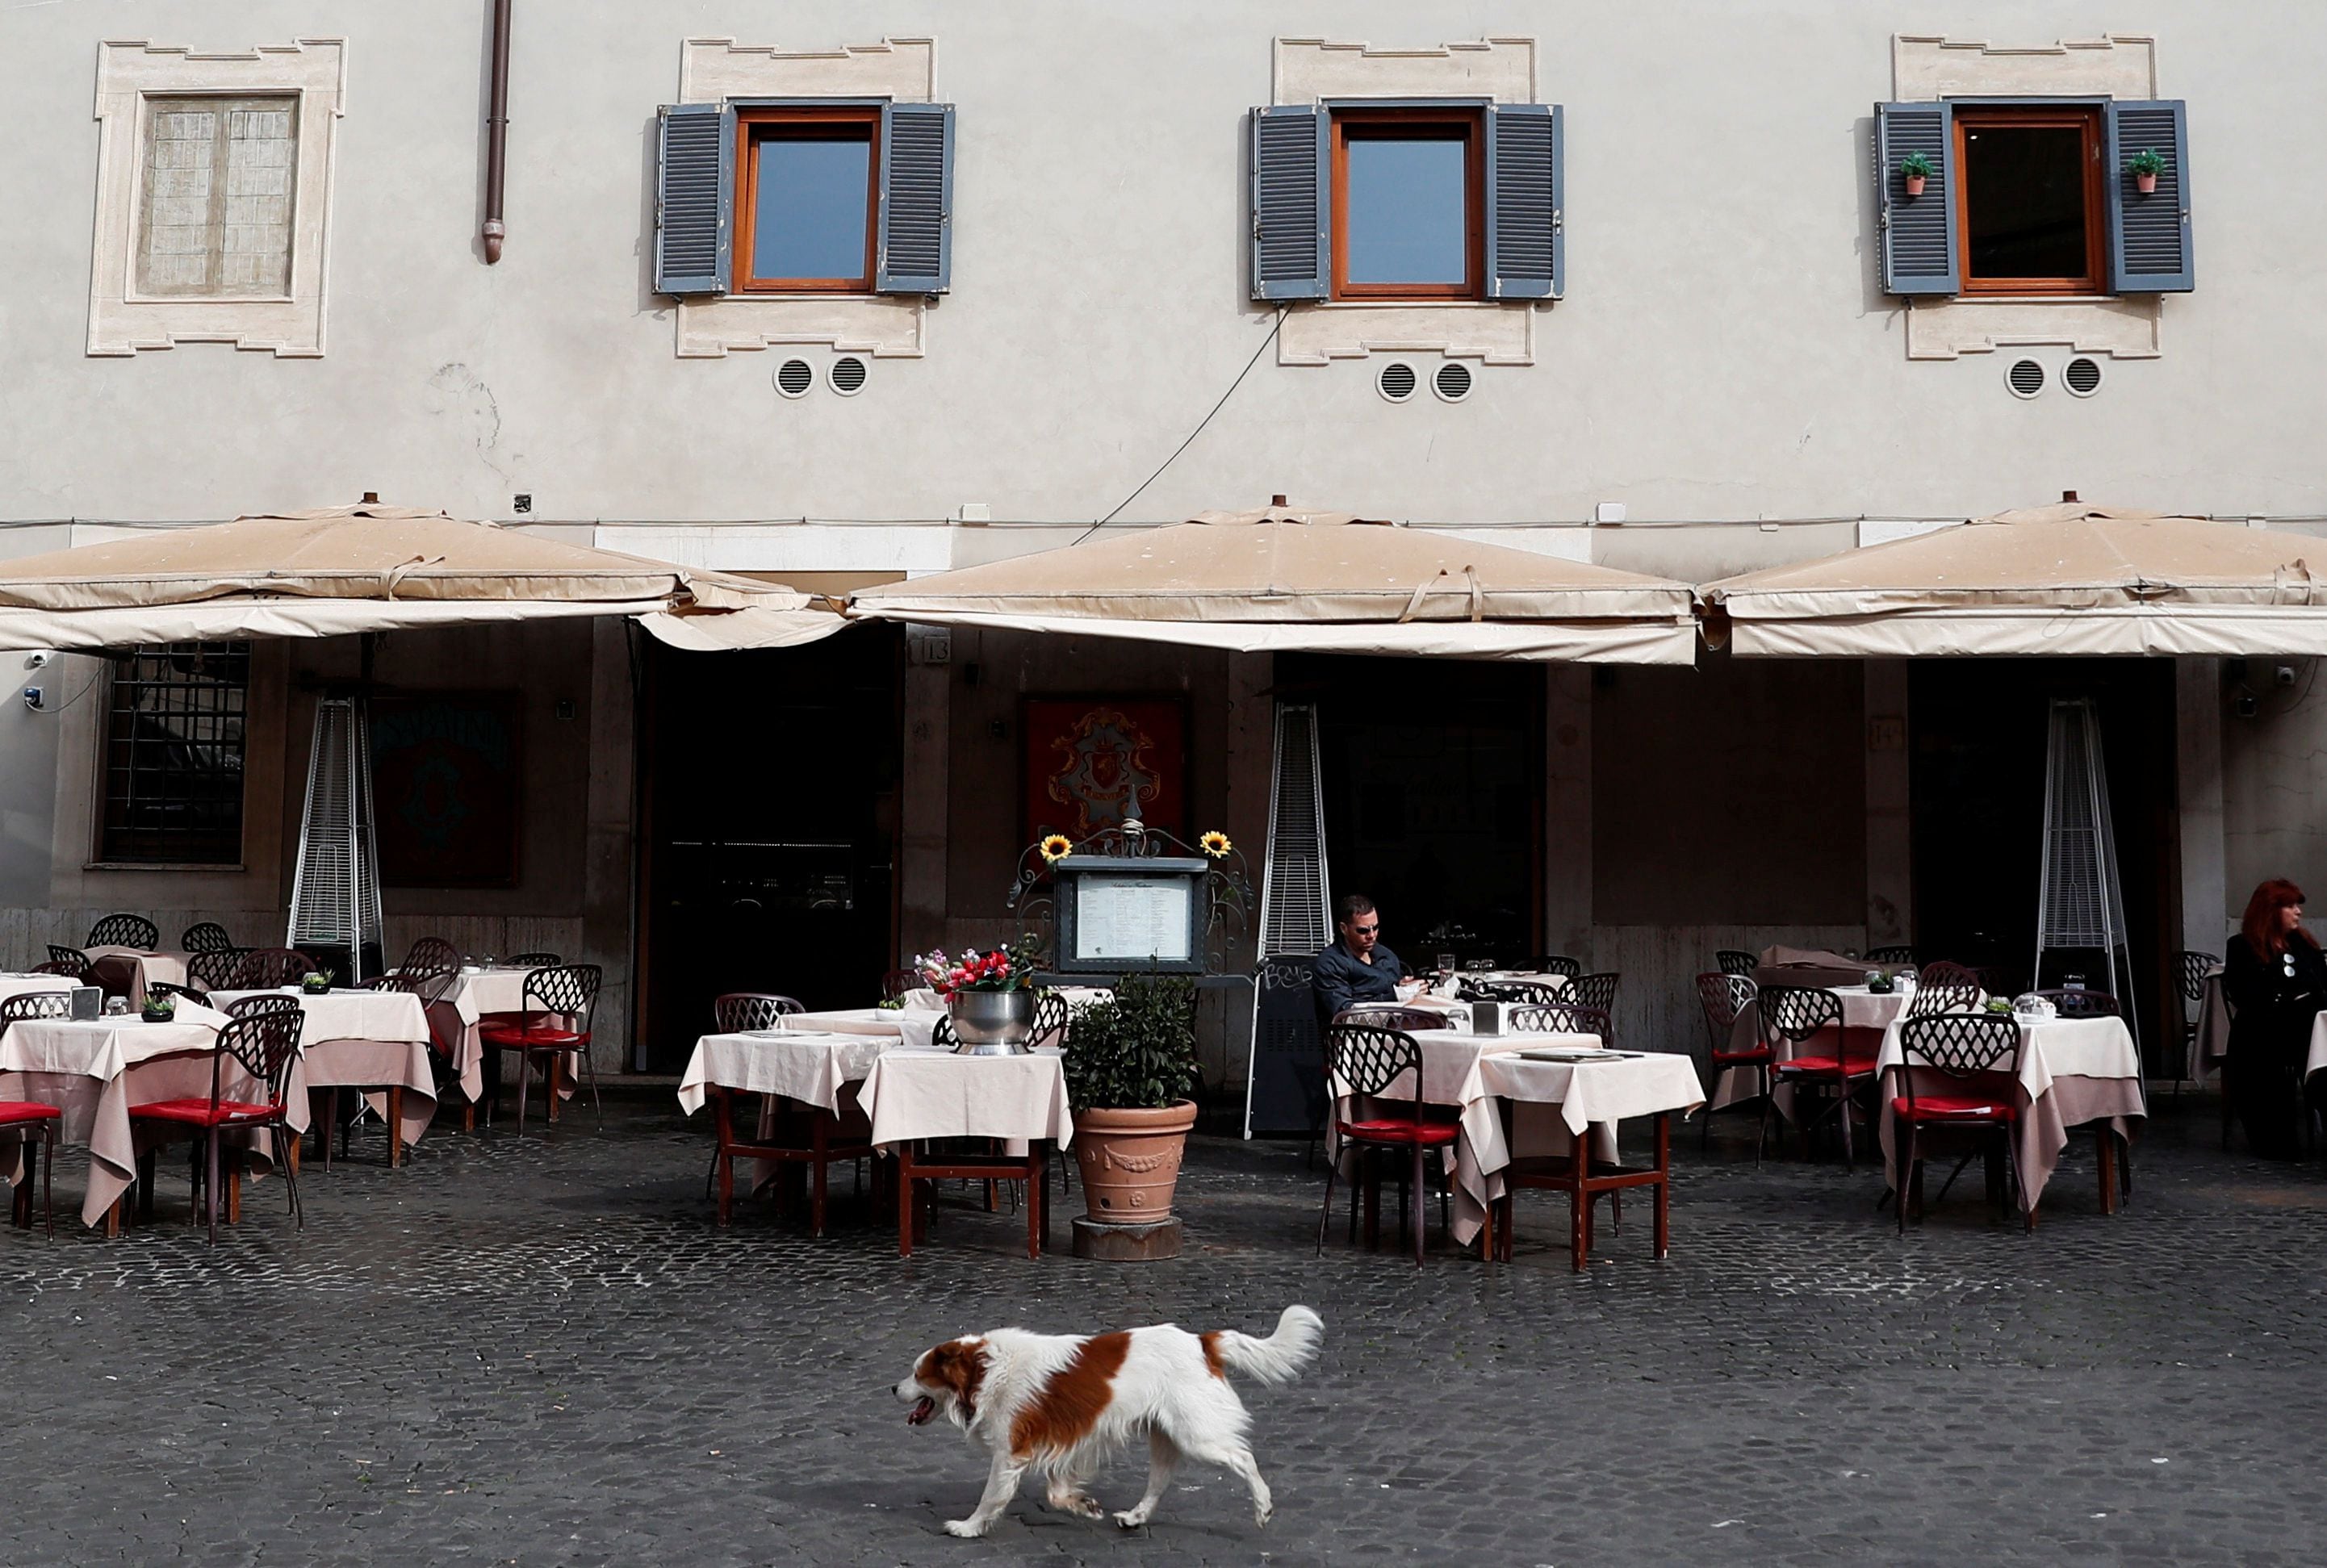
[{"x": 1130, "y": 1161}]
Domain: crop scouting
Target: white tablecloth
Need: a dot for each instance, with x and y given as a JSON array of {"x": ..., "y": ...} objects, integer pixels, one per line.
[
  {"x": 170, "y": 968},
  {"x": 2072, "y": 1071},
  {"x": 363, "y": 1039},
  {"x": 911, "y": 1026},
  {"x": 33, "y": 985},
  {"x": 796, "y": 1063},
  {"x": 475, "y": 993},
  {"x": 1864, "y": 1011},
  {"x": 911, "y": 1095}
]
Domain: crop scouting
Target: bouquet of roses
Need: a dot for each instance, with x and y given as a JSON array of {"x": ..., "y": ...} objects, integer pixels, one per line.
[{"x": 1010, "y": 968}]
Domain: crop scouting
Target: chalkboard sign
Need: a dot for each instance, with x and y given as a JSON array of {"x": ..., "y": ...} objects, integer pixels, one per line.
[{"x": 1288, "y": 1089}]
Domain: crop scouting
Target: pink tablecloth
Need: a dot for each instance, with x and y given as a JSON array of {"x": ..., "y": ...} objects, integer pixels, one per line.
[
  {"x": 2072, "y": 1071},
  {"x": 364, "y": 1040},
  {"x": 911, "y": 1095},
  {"x": 475, "y": 993},
  {"x": 170, "y": 968},
  {"x": 31, "y": 984},
  {"x": 94, "y": 1071}
]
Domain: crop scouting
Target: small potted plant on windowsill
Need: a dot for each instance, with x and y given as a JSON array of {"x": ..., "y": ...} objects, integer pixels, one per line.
[
  {"x": 1131, "y": 1065},
  {"x": 2145, "y": 167},
  {"x": 1913, "y": 170}
]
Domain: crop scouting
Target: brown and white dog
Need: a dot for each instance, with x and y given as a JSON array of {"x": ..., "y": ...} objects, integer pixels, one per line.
[{"x": 1060, "y": 1404}]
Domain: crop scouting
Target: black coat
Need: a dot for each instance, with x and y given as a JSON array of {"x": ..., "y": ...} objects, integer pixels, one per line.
[{"x": 2272, "y": 1001}]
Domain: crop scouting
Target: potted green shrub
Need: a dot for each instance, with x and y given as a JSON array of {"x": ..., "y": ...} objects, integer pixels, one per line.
[
  {"x": 315, "y": 981},
  {"x": 1130, "y": 1066},
  {"x": 159, "y": 1008},
  {"x": 1913, "y": 170},
  {"x": 2145, "y": 167}
]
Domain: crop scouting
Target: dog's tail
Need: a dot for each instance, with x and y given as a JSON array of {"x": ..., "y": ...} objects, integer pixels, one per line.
[{"x": 1280, "y": 1358}]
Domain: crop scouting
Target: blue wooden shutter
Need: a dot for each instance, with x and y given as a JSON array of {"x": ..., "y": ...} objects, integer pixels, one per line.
[
  {"x": 916, "y": 254},
  {"x": 1918, "y": 233},
  {"x": 2149, "y": 235},
  {"x": 1291, "y": 227},
  {"x": 1526, "y": 246},
  {"x": 695, "y": 198}
]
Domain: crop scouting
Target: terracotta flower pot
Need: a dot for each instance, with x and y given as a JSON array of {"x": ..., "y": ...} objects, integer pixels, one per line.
[
  {"x": 1914, "y": 184},
  {"x": 1130, "y": 1161},
  {"x": 2146, "y": 183}
]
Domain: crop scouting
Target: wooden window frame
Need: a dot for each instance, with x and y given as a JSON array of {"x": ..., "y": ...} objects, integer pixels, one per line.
[
  {"x": 748, "y": 121},
  {"x": 1472, "y": 125},
  {"x": 2085, "y": 118}
]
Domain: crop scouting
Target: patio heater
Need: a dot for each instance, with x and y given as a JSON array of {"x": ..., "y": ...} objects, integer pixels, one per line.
[
  {"x": 2079, "y": 900},
  {"x": 1284, "y": 1077},
  {"x": 335, "y": 892}
]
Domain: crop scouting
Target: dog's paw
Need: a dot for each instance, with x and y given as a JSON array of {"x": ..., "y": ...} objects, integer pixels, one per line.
[
  {"x": 1081, "y": 1504},
  {"x": 968, "y": 1529},
  {"x": 1263, "y": 1513},
  {"x": 1131, "y": 1518}
]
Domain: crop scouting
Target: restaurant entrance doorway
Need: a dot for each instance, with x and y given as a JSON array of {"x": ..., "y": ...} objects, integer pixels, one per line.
[
  {"x": 769, "y": 823},
  {"x": 1432, "y": 783},
  {"x": 1979, "y": 730}
]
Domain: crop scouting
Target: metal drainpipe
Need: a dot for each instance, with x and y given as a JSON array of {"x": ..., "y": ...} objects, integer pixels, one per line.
[{"x": 496, "y": 134}]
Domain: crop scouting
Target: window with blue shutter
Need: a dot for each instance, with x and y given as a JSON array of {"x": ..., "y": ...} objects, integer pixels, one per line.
[
  {"x": 695, "y": 184},
  {"x": 916, "y": 244},
  {"x": 1527, "y": 249},
  {"x": 1917, "y": 233},
  {"x": 2149, "y": 233},
  {"x": 1291, "y": 226}
]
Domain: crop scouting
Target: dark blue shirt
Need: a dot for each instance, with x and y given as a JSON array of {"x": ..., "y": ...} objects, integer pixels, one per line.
[{"x": 1341, "y": 980}]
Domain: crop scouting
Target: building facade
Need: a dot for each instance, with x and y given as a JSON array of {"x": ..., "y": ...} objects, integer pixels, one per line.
[{"x": 1637, "y": 285}]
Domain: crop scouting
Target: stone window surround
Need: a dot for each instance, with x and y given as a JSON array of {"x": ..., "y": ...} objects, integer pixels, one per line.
[
  {"x": 886, "y": 326},
  {"x": 120, "y": 322},
  {"x": 1307, "y": 71},
  {"x": 1925, "y": 67}
]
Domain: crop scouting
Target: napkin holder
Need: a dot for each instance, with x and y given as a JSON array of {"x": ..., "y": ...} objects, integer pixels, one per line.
[
  {"x": 1486, "y": 1017},
  {"x": 88, "y": 1003}
]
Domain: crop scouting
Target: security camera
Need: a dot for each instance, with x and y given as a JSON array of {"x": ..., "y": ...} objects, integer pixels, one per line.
[
  {"x": 38, "y": 660},
  {"x": 32, "y": 698},
  {"x": 2284, "y": 674}
]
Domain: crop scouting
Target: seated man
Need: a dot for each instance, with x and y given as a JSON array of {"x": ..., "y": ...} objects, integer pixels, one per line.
[{"x": 1355, "y": 967}]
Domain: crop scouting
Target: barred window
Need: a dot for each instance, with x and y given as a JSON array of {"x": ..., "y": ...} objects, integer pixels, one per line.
[
  {"x": 174, "y": 740},
  {"x": 218, "y": 196}
]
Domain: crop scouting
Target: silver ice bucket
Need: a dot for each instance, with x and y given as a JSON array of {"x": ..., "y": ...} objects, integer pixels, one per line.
[{"x": 992, "y": 1023}]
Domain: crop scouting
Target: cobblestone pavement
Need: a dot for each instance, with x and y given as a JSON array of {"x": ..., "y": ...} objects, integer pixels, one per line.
[{"x": 539, "y": 1350}]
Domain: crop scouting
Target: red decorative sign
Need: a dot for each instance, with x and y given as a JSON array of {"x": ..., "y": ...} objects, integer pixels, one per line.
[{"x": 1093, "y": 762}]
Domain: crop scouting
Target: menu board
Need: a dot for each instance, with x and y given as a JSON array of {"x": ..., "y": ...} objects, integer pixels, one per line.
[{"x": 1134, "y": 918}]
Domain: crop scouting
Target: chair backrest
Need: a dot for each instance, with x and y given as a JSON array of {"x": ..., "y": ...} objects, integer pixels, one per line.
[
  {"x": 163, "y": 988},
  {"x": 125, "y": 931},
  {"x": 1721, "y": 998},
  {"x": 266, "y": 968},
  {"x": 1960, "y": 1046},
  {"x": 1996, "y": 980},
  {"x": 1558, "y": 964},
  {"x": 1944, "y": 973},
  {"x": 1732, "y": 961},
  {"x": 263, "y": 1036},
  {"x": 1933, "y": 997},
  {"x": 534, "y": 961},
  {"x": 1793, "y": 1014},
  {"x": 2190, "y": 972},
  {"x": 897, "y": 982},
  {"x": 1560, "y": 1018},
  {"x": 206, "y": 936},
  {"x": 34, "y": 1004},
  {"x": 66, "y": 961},
  {"x": 568, "y": 990},
  {"x": 1367, "y": 1060},
  {"x": 1531, "y": 993},
  {"x": 1382, "y": 1015},
  {"x": 2082, "y": 1003},
  {"x": 430, "y": 954},
  {"x": 1052, "y": 1017},
  {"x": 738, "y": 1011},
  {"x": 1477, "y": 966},
  {"x": 216, "y": 970},
  {"x": 1592, "y": 991},
  {"x": 1887, "y": 957}
]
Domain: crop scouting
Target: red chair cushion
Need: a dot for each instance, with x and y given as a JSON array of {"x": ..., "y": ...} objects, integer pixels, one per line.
[
  {"x": 1397, "y": 1130},
  {"x": 201, "y": 1113},
  {"x": 540, "y": 1035},
  {"x": 14, "y": 1111},
  {"x": 1953, "y": 1108},
  {"x": 1745, "y": 1057},
  {"x": 1828, "y": 1067}
]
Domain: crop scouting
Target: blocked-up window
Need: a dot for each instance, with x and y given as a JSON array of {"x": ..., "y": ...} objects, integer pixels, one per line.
[{"x": 215, "y": 206}]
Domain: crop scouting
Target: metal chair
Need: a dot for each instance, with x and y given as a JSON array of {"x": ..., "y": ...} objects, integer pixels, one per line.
[
  {"x": 216, "y": 969},
  {"x": 553, "y": 1022},
  {"x": 432, "y": 954},
  {"x": 533, "y": 961},
  {"x": 2078, "y": 1002},
  {"x": 2191, "y": 971},
  {"x": 78, "y": 972},
  {"x": 1383, "y": 1015},
  {"x": 31, "y": 1122},
  {"x": 1527, "y": 992},
  {"x": 67, "y": 961},
  {"x": 1795, "y": 1014},
  {"x": 739, "y": 1011},
  {"x": 1732, "y": 961},
  {"x": 896, "y": 982},
  {"x": 1944, "y": 973},
  {"x": 1722, "y": 998},
  {"x": 1556, "y": 964},
  {"x": 163, "y": 988},
  {"x": 125, "y": 931},
  {"x": 1978, "y": 1056},
  {"x": 1935, "y": 995},
  {"x": 1592, "y": 991},
  {"x": 1887, "y": 957},
  {"x": 271, "y": 968},
  {"x": 1558, "y": 1018},
  {"x": 206, "y": 936},
  {"x": 263, "y": 1039},
  {"x": 1366, "y": 1061}
]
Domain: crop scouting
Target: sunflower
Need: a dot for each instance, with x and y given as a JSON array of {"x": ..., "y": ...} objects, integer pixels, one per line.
[
  {"x": 1215, "y": 843},
  {"x": 1057, "y": 847}
]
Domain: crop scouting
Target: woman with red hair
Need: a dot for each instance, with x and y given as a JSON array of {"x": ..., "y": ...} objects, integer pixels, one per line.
[{"x": 2276, "y": 982}]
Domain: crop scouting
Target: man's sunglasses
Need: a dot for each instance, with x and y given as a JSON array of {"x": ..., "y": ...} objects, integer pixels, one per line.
[{"x": 1366, "y": 931}]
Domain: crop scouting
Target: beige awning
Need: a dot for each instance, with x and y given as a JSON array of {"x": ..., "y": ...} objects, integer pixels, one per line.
[
  {"x": 2070, "y": 579},
  {"x": 371, "y": 568},
  {"x": 1284, "y": 579}
]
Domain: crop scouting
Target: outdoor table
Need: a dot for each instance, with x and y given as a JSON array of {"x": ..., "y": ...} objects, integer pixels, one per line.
[
  {"x": 914, "y": 1096},
  {"x": 94, "y": 1071},
  {"x": 2072, "y": 1071},
  {"x": 364, "y": 1040},
  {"x": 144, "y": 967},
  {"x": 1553, "y": 1104},
  {"x": 817, "y": 1068},
  {"x": 35, "y": 984},
  {"x": 1862, "y": 1011}
]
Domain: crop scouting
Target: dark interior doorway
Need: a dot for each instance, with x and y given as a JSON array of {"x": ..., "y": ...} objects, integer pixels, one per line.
[
  {"x": 1979, "y": 730},
  {"x": 770, "y": 828},
  {"x": 1432, "y": 783}
]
